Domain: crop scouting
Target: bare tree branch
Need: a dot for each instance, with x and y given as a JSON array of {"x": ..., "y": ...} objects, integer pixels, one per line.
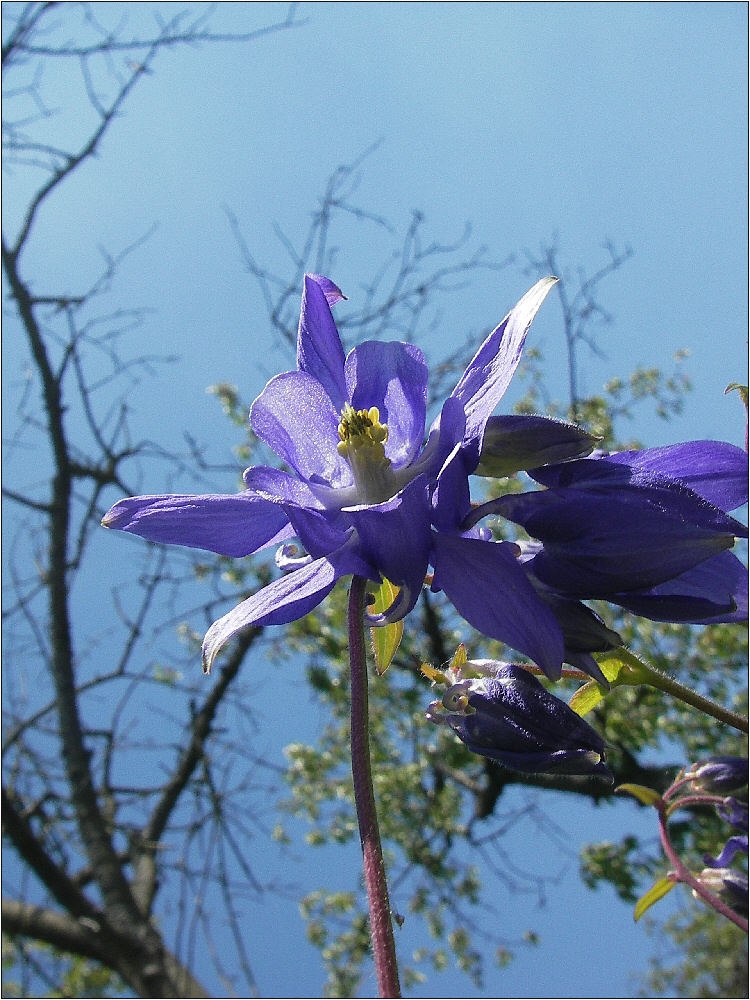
[{"x": 64, "y": 806}]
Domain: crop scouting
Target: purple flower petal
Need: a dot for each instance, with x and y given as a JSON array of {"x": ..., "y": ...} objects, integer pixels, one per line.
[
  {"x": 489, "y": 588},
  {"x": 719, "y": 775},
  {"x": 451, "y": 500},
  {"x": 395, "y": 536},
  {"x": 279, "y": 486},
  {"x": 732, "y": 810},
  {"x": 510, "y": 717},
  {"x": 587, "y": 663},
  {"x": 599, "y": 544},
  {"x": 622, "y": 481},
  {"x": 231, "y": 525},
  {"x": 319, "y": 350},
  {"x": 735, "y": 845},
  {"x": 285, "y": 600},
  {"x": 296, "y": 418},
  {"x": 712, "y": 592},
  {"x": 320, "y": 531},
  {"x": 393, "y": 377},
  {"x": 550, "y": 762},
  {"x": 488, "y": 375},
  {"x": 583, "y": 633},
  {"x": 446, "y": 432},
  {"x": 730, "y": 885},
  {"x": 332, "y": 292},
  {"x": 715, "y": 470}
]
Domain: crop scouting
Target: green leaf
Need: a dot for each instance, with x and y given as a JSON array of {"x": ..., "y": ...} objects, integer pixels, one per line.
[
  {"x": 641, "y": 792},
  {"x": 587, "y": 697},
  {"x": 385, "y": 638},
  {"x": 459, "y": 658},
  {"x": 613, "y": 667},
  {"x": 621, "y": 667},
  {"x": 590, "y": 694},
  {"x": 657, "y": 891},
  {"x": 742, "y": 391}
]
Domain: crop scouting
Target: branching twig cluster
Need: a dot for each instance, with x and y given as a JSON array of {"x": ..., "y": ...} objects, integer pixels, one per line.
[{"x": 88, "y": 825}]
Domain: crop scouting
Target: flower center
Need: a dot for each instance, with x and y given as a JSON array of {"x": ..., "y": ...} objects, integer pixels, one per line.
[{"x": 362, "y": 444}]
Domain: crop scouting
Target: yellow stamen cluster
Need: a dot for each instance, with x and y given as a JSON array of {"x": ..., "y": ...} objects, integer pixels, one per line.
[{"x": 362, "y": 435}]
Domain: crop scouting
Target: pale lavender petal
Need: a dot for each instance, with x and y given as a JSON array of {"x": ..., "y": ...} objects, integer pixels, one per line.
[
  {"x": 319, "y": 350},
  {"x": 231, "y": 525},
  {"x": 489, "y": 588},
  {"x": 283, "y": 601},
  {"x": 489, "y": 373},
  {"x": 393, "y": 377},
  {"x": 279, "y": 486},
  {"x": 296, "y": 418}
]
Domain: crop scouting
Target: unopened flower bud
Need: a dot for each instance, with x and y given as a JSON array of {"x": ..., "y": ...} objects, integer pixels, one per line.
[
  {"x": 508, "y": 716},
  {"x": 729, "y": 885},
  {"x": 719, "y": 775},
  {"x": 513, "y": 442}
]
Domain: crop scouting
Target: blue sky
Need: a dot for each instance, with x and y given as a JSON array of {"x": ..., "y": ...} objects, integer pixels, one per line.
[{"x": 591, "y": 122}]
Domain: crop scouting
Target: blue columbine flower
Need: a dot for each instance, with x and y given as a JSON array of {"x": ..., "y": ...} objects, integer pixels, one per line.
[
  {"x": 501, "y": 711},
  {"x": 367, "y": 495}
]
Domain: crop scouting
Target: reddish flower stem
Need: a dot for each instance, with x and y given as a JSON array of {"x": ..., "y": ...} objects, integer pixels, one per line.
[
  {"x": 381, "y": 927},
  {"x": 683, "y": 874}
]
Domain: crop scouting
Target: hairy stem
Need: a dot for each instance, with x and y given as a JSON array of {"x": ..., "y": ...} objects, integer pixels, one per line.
[
  {"x": 646, "y": 674},
  {"x": 381, "y": 927}
]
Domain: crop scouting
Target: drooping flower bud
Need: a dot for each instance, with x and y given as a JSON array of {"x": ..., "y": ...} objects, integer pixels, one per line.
[{"x": 507, "y": 715}]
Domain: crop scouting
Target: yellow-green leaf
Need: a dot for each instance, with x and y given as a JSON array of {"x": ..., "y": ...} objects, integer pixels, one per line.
[
  {"x": 657, "y": 891},
  {"x": 587, "y": 697},
  {"x": 438, "y": 676},
  {"x": 459, "y": 657},
  {"x": 611, "y": 667},
  {"x": 641, "y": 792},
  {"x": 742, "y": 391},
  {"x": 590, "y": 694},
  {"x": 385, "y": 638}
]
